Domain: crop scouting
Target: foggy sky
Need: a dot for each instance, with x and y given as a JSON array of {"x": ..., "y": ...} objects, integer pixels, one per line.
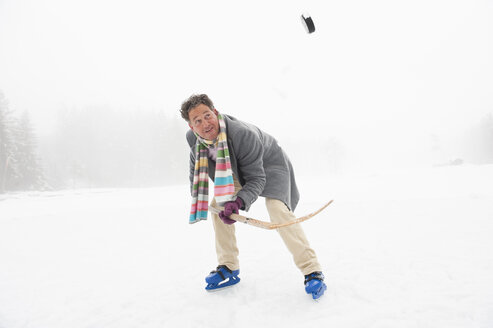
[{"x": 376, "y": 75}]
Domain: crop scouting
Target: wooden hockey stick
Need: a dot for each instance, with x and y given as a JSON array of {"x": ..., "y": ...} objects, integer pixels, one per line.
[{"x": 268, "y": 225}]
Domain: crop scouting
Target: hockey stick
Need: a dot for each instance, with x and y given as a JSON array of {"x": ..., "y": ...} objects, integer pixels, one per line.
[{"x": 269, "y": 225}]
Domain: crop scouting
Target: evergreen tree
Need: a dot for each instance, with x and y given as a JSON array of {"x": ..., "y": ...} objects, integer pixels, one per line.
[
  {"x": 19, "y": 166},
  {"x": 29, "y": 173},
  {"x": 486, "y": 139},
  {"x": 8, "y": 169}
]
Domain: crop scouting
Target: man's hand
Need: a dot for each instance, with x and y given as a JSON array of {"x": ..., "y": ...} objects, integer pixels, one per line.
[{"x": 230, "y": 208}]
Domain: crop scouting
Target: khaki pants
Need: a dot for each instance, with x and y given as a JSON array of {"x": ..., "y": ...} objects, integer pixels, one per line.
[{"x": 293, "y": 236}]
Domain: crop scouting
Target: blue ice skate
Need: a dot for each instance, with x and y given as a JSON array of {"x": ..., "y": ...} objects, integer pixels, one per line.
[
  {"x": 314, "y": 284},
  {"x": 222, "y": 277}
]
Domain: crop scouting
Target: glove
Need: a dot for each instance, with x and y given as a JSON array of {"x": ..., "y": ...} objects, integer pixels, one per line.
[{"x": 230, "y": 208}]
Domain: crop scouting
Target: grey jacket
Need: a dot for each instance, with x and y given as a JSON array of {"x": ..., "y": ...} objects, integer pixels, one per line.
[{"x": 259, "y": 163}]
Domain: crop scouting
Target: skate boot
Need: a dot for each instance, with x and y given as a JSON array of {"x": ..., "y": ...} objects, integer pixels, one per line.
[
  {"x": 221, "y": 277},
  {"x": 314, "y": 284}
]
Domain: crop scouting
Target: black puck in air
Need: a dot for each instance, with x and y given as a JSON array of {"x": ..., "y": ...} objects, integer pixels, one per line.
[{"x": 307, "y": 21}]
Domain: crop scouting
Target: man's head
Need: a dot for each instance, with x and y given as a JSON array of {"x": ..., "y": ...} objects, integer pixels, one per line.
[{"x": 199, "y": 112}]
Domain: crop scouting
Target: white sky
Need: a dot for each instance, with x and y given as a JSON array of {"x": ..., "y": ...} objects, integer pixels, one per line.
[{"x": 372, "y": 70}]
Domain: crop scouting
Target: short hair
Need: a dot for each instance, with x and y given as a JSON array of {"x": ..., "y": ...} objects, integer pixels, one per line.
[{"x": 192, "y": 102}]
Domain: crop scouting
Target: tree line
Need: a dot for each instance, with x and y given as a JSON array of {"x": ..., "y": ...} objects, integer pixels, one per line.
[
  {"x": 95, "y": 147},
  {"x": 92, "y": 147},
  {"x": 103, "y": 147}
]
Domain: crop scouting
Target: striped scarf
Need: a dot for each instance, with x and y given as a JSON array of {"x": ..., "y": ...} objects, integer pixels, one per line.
[{"x": 223, "y": 182}]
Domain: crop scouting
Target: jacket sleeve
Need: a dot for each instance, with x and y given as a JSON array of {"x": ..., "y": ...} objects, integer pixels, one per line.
[
  {"x": 192, "y": 169},
  {"x": 191, "y": 139},
  {"x": 249, "y": 151}
]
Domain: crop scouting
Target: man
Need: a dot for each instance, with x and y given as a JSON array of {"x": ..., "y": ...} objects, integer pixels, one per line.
[{"x": 244, "y": 162}]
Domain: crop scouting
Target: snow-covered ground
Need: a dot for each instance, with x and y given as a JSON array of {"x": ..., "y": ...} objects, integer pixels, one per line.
[{"x": 399, "y": 249}]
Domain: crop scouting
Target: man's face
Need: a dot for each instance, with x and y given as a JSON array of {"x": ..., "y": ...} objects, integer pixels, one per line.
[{"x": 204, "y": 122}]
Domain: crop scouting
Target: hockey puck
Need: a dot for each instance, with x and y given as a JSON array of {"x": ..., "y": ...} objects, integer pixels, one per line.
[{"x": 308, "y": 23}]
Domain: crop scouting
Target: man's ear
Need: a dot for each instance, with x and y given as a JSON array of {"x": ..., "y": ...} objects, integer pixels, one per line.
[
  {"x": 190, "y": 126},
  {"x": 215, "y": 111}
]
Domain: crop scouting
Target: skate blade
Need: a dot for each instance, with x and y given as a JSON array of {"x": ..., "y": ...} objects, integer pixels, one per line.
[
  {"x": 223, "y": 285},
  {"x": 316, "y": 295}
]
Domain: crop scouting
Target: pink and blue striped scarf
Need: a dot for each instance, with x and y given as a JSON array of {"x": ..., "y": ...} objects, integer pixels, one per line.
[{"x": 223, "y": 181}]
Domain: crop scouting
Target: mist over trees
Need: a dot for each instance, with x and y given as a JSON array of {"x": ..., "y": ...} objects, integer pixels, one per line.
[
  {"x": 92, "y": 147},
  {"x": 103, "y": 147},
  {"x": 473, "y": 145},
  {"x": 482, "y": 137}
]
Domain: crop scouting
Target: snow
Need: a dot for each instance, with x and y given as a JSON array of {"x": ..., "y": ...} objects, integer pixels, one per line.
[{"x": 409, "y": 248}]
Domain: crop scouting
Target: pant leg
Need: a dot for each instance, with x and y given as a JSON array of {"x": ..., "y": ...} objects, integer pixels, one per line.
[
  {"x": 226, "y": 249},
  {"x": 293, "y": 236}
]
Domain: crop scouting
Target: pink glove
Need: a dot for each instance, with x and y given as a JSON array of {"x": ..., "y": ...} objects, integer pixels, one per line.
[{"x": 230, "y": 208}]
